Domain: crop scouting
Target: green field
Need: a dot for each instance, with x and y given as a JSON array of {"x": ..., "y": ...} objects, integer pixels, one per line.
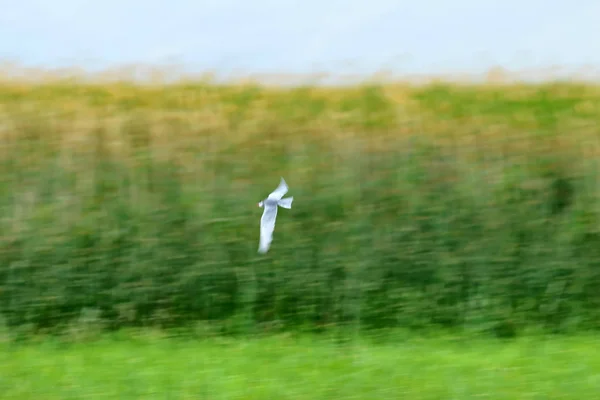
[
  {"x": 427, "y": 221},
  {"x": 154, "y": 367},
  {"x": 438, "y": 207}
]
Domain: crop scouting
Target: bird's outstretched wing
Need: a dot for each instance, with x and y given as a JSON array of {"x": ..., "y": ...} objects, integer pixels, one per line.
[
  {"x": 267, "y": 225},
  {"x": 280, "y": 191}
]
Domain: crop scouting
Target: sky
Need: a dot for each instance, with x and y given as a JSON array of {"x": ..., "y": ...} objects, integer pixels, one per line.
[{"x": 285, "y": 36}]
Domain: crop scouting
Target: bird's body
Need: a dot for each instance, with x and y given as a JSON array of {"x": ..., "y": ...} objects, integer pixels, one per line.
[{"x": 267, "y": 221}]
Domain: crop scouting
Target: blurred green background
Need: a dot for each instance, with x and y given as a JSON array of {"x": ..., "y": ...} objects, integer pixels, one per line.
[{"x": 440, "y": 206}]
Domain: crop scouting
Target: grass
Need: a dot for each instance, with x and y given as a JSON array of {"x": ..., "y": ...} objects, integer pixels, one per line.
[
  {"x": 443, "y": 205},
  {"x": 469, "y": 207},
  {"x": 304, "y": 367}
]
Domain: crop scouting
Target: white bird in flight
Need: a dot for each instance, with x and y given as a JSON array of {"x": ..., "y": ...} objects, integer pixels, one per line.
[{"x": 267, "y": 222}]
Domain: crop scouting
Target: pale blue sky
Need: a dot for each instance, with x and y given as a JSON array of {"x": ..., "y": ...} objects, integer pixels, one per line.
[{"x": 302, "y": 36}]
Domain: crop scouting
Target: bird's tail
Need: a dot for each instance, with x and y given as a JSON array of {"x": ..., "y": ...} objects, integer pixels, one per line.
[{"x": 286, "y": 203}]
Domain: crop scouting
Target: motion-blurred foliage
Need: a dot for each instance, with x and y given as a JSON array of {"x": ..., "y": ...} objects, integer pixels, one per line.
[{"x": 455, "y": 206}]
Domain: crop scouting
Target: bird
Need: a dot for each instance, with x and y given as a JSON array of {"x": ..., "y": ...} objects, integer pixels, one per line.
[{"x": 267, "y": 221}]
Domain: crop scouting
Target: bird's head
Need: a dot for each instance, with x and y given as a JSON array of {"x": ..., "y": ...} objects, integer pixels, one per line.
[{"x": 260, "y": 203}]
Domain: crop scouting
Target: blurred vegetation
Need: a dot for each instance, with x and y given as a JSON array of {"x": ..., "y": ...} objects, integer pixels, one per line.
[{"x": 470, "y": 207}]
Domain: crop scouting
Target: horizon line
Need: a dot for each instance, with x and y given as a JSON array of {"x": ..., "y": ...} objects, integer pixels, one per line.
[{"x": 147, "y": 73}]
